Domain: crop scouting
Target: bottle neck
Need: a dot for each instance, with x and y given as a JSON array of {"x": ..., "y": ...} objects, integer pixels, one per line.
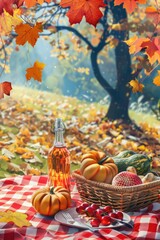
[{"x": 59, "y": 139}]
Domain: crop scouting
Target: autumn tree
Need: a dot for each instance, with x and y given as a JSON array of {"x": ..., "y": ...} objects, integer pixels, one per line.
[{"x": 111, "y": 20}]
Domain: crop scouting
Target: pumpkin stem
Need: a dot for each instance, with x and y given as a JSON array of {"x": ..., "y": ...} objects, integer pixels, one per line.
[
  {"x": 52, "y": 190},
  {"x": 103, "y": 160}
]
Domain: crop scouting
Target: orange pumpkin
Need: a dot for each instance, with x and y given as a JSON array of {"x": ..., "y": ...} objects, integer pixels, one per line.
[
  {"x": 48, "y": 201},
  {"x": 95, "y": 166}
]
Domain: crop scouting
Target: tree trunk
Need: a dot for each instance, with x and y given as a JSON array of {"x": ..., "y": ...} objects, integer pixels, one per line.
[{"x": 119, "y": 105}]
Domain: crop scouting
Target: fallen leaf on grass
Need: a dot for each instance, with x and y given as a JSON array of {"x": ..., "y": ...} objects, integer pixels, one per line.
[
  {"x": 21, "y": 150},
  {"x": 28, "y": 155},
  {"x": 35, "y": 159},
  {"x": 4, "y": 158},
  {"x": 7, "y": 153},
  {"x": 12, "y": 167},
  {"x": 19, "y": 219}
]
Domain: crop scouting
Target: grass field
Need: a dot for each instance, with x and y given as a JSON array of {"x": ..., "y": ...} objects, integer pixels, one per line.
[{"x": 27, "y": 117}]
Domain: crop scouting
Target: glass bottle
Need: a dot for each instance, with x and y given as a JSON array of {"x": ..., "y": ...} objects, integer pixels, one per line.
[{"x": 59, "y": 159}]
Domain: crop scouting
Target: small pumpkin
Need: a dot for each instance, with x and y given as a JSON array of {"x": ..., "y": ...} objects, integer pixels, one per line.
[
  {"x": 97, "y": 167},
  {"x": 48, "y": 201}
]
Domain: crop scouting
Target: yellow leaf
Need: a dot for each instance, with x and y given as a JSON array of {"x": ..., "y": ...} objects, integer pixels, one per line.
[
  {"x": 25, "y": 132},
  {"x": 8, "y": 22},
  {"x": 136, "y": 86},
  {"x": 5, "y": 158},
  {"x": 17, "y": 218},
  {"x": 28, "y": 155},
  {"x": 156, "y": 80},
  {"x": 21, "y": 150},
  {"x": 35, "y": 71}
]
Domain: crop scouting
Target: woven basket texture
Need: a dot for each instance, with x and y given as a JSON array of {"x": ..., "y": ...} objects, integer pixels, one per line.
[{"x": 121, "y": 198}]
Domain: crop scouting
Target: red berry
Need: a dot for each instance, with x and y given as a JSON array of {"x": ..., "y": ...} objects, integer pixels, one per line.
[
  {"x": 105, "y": 220},
  {"x": 107, "y": 209},
  {"x": 95, "y": 222},
  {"x": 90, "y": 211},
  {"x": 95, "y": 206},
  {"x": 119, "y": 215},
  {"x": 80, "y": 210},
  {"x": 84, "y": 205},
  {"x": 98, "y": 213},
  {"x": 113, "y": 215}
]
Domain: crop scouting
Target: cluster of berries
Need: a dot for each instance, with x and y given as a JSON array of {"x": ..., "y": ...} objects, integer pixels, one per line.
[{"x": 103, "y": 216}]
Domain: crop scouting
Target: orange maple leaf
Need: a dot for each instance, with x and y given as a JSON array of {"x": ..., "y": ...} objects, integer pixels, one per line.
[
  {"x": 136, "y": 86},
  {"x": 80, "y": 8},
  {"x": 153, "y": 13},
  {"x": 129, "y": 5},
  {"x": 5, "y": 88},
  {"x": 35, "y": 71},
  {"x": 135, "y": 43},
  {"x": 32, "y": 3},
  {"x": 27, "y": 33},
  {"x": 156, "y": 80}
]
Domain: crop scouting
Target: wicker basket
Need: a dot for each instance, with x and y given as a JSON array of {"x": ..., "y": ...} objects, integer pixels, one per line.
[{"x": 121, "y": 198}]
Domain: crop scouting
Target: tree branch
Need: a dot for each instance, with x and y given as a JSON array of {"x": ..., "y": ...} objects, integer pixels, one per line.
[
  {"x": 102, "y": 81},
  {"x": 76, "y": 32}
]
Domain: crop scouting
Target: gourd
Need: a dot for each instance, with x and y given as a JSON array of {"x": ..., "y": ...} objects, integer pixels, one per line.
[
  {"x": 125, "y": 153},
  {"x": 139, "y": 161},
  {"x": 131, "y": 169},
  {"x": 150, "y": 177},
  {"x": 48, "y": 201},
  {"x": 97, "y": 167}
]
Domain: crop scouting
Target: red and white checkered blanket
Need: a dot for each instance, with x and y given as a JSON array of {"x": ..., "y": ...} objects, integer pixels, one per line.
[{"x": 15, "y": 195}]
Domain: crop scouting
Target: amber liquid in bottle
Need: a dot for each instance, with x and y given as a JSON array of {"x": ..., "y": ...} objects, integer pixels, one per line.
[{"x": 59, "y": 159}]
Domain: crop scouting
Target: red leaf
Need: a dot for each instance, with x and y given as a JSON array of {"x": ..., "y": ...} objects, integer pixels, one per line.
[
  {"x": 5, "y": 88},
  {"x": 80, "y": 8},
  {"x": 8, "y": 5},
  {"x": 150, "y": 46}
]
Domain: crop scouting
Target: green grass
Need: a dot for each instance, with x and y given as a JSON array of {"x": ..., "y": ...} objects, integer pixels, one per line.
[{"x": 144, "y": 118}]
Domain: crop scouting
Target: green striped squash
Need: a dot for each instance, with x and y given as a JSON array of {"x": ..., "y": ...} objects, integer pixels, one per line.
[{"x": 139, "y": 161}]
